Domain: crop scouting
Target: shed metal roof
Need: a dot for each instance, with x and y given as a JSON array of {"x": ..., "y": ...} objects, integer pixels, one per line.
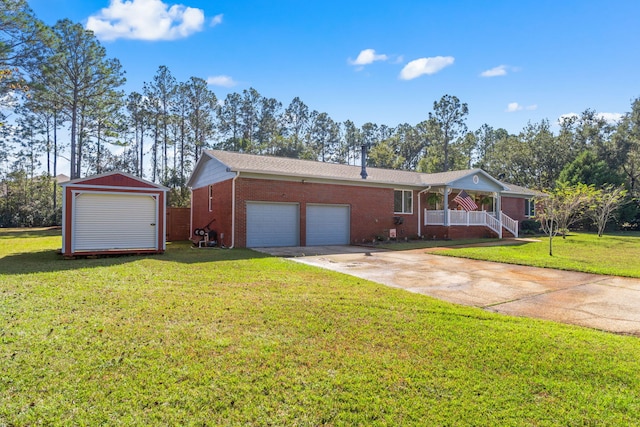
[{"x": 125, "y": 178}]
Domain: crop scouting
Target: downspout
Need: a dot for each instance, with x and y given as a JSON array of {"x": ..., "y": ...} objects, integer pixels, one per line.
[
  {"x": 420, "y": 210},
  {"x": 191, "y": 216},
  {"x": 233, "y": 210}
]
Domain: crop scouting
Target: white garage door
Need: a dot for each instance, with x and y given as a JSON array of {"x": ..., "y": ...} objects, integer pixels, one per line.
[
  {"x": 114, "y": 221},
  {"x": 328, "y": 225},
  {"x": 273, "y": 224}
]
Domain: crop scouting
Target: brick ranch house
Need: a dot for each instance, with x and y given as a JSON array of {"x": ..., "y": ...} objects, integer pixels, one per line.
[{"x": 258, "y": 201}]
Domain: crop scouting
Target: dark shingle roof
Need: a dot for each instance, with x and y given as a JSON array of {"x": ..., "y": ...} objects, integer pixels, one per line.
[
  {"x": 284, "y": 166},
  {"x": 524, "y": 191},
  {"x": 313, "y": 169}
]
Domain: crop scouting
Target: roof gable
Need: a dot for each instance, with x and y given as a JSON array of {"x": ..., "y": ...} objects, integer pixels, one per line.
[
  {"x": 474, "y": 179},
  {"x": 114, "y": 179},
  {"x": 209, "y": 170}
]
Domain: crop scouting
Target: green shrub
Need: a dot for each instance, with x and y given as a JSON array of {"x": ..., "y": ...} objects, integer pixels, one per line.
[{"x": 530, "y": 226}]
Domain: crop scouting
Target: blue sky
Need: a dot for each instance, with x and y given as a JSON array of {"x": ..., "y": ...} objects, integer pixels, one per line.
[{"x": 382, "y": 61}]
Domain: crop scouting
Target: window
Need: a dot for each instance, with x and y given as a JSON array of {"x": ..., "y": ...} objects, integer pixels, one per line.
[
  {"x": 403, "y": 201},
  {"x": 529, "y": 208},
  {"x": 210, "y": 198}
]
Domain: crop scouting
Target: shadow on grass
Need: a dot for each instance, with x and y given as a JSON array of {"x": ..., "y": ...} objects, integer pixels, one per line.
[
  {"x": 49, "y": 261},
  {"x": 21, "y": 233}
]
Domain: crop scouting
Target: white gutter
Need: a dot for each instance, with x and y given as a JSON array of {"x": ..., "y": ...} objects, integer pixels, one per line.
[
  {"x": 191, "y": 216},
  {"x": 233, "y": 210},
  {"x": 420, "y": 210}
]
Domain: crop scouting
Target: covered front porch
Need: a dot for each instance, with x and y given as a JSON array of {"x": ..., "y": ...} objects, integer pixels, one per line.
[
  {"x": 452, "y": 218},
  {"x": 466, "y": 205}
]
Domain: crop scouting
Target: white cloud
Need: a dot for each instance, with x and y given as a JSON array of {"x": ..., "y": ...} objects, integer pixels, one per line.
[
  {"x": 368, "y": 56},
  {"x": 611, "y": 118},
  {"x": 216, "y": 20},
  {"x": 500, "y": 70},
  {"x": 10, "y": 99},
  {"x": 514, "y": 106},
  {"x": 421, "y": 66},
  {"x": 146, "y": 20},
  {"x": 568, "y": 116},
  {"x": 224, "y": 81}
]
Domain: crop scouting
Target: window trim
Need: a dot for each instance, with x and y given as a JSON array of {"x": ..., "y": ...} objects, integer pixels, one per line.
[
  {"x": 529, "y": 208},
  {"x": 404, "y": 201}
]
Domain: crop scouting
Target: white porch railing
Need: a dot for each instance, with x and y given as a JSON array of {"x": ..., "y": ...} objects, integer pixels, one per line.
[
  {"x": 494, "y": 224},
  {"x": 483, "y": 218},
  {"x": 510, "y": 224},
  {"x": 433, "y": 217}
]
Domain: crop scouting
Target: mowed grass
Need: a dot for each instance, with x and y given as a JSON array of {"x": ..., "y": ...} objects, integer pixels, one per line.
[
  {"x": 612, "y": 254},
  {"x": 422, "y": 244},
  {"x": 232, "y": 337}
]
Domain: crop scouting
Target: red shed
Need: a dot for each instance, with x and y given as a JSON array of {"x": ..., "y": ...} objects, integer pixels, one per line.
[{"x": 113, "y": 213}]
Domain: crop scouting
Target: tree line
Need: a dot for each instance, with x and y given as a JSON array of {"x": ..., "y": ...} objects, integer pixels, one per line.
[{"x": 61, "y": 97}]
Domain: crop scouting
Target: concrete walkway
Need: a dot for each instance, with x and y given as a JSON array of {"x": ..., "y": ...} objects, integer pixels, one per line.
[{"x": 601, "y": 302}]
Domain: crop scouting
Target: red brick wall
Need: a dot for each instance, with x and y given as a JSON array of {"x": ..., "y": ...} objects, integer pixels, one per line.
[
  {"x": 220, "y": 216},
  {"x": 457, "y": 232},
  {"x": 371, "y": 208},
  {"x": 513, "y": 208}
]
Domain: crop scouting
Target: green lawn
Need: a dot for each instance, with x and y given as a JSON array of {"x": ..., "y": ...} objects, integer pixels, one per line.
[
  {"x": 232, "y": 337},
  {"x": 613, "y": 254},
  {"x": 420, "y": 244}
]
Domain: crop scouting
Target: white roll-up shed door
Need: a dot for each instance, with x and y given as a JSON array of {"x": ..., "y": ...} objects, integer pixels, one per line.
[
  {"x": 328, "y": 225},
  {"x": 114, "y": 221},
  {"x": 273, "y": 224}
]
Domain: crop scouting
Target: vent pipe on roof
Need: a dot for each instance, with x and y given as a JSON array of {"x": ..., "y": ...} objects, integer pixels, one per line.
[{"x": 363, "y": 157}]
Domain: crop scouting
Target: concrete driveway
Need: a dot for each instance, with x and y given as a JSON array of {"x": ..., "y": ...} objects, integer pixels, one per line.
[{"x": 601, "y": 302}]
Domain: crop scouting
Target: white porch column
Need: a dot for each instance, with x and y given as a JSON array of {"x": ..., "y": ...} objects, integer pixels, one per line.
[
  {"x": 446, "y": 206},
  {"x": 499, "y": 212}
]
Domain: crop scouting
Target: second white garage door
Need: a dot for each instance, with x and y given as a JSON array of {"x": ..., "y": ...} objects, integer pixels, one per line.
[
  {"x": 273, "y": 224},
  {"x": 328, "y": 225}
]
